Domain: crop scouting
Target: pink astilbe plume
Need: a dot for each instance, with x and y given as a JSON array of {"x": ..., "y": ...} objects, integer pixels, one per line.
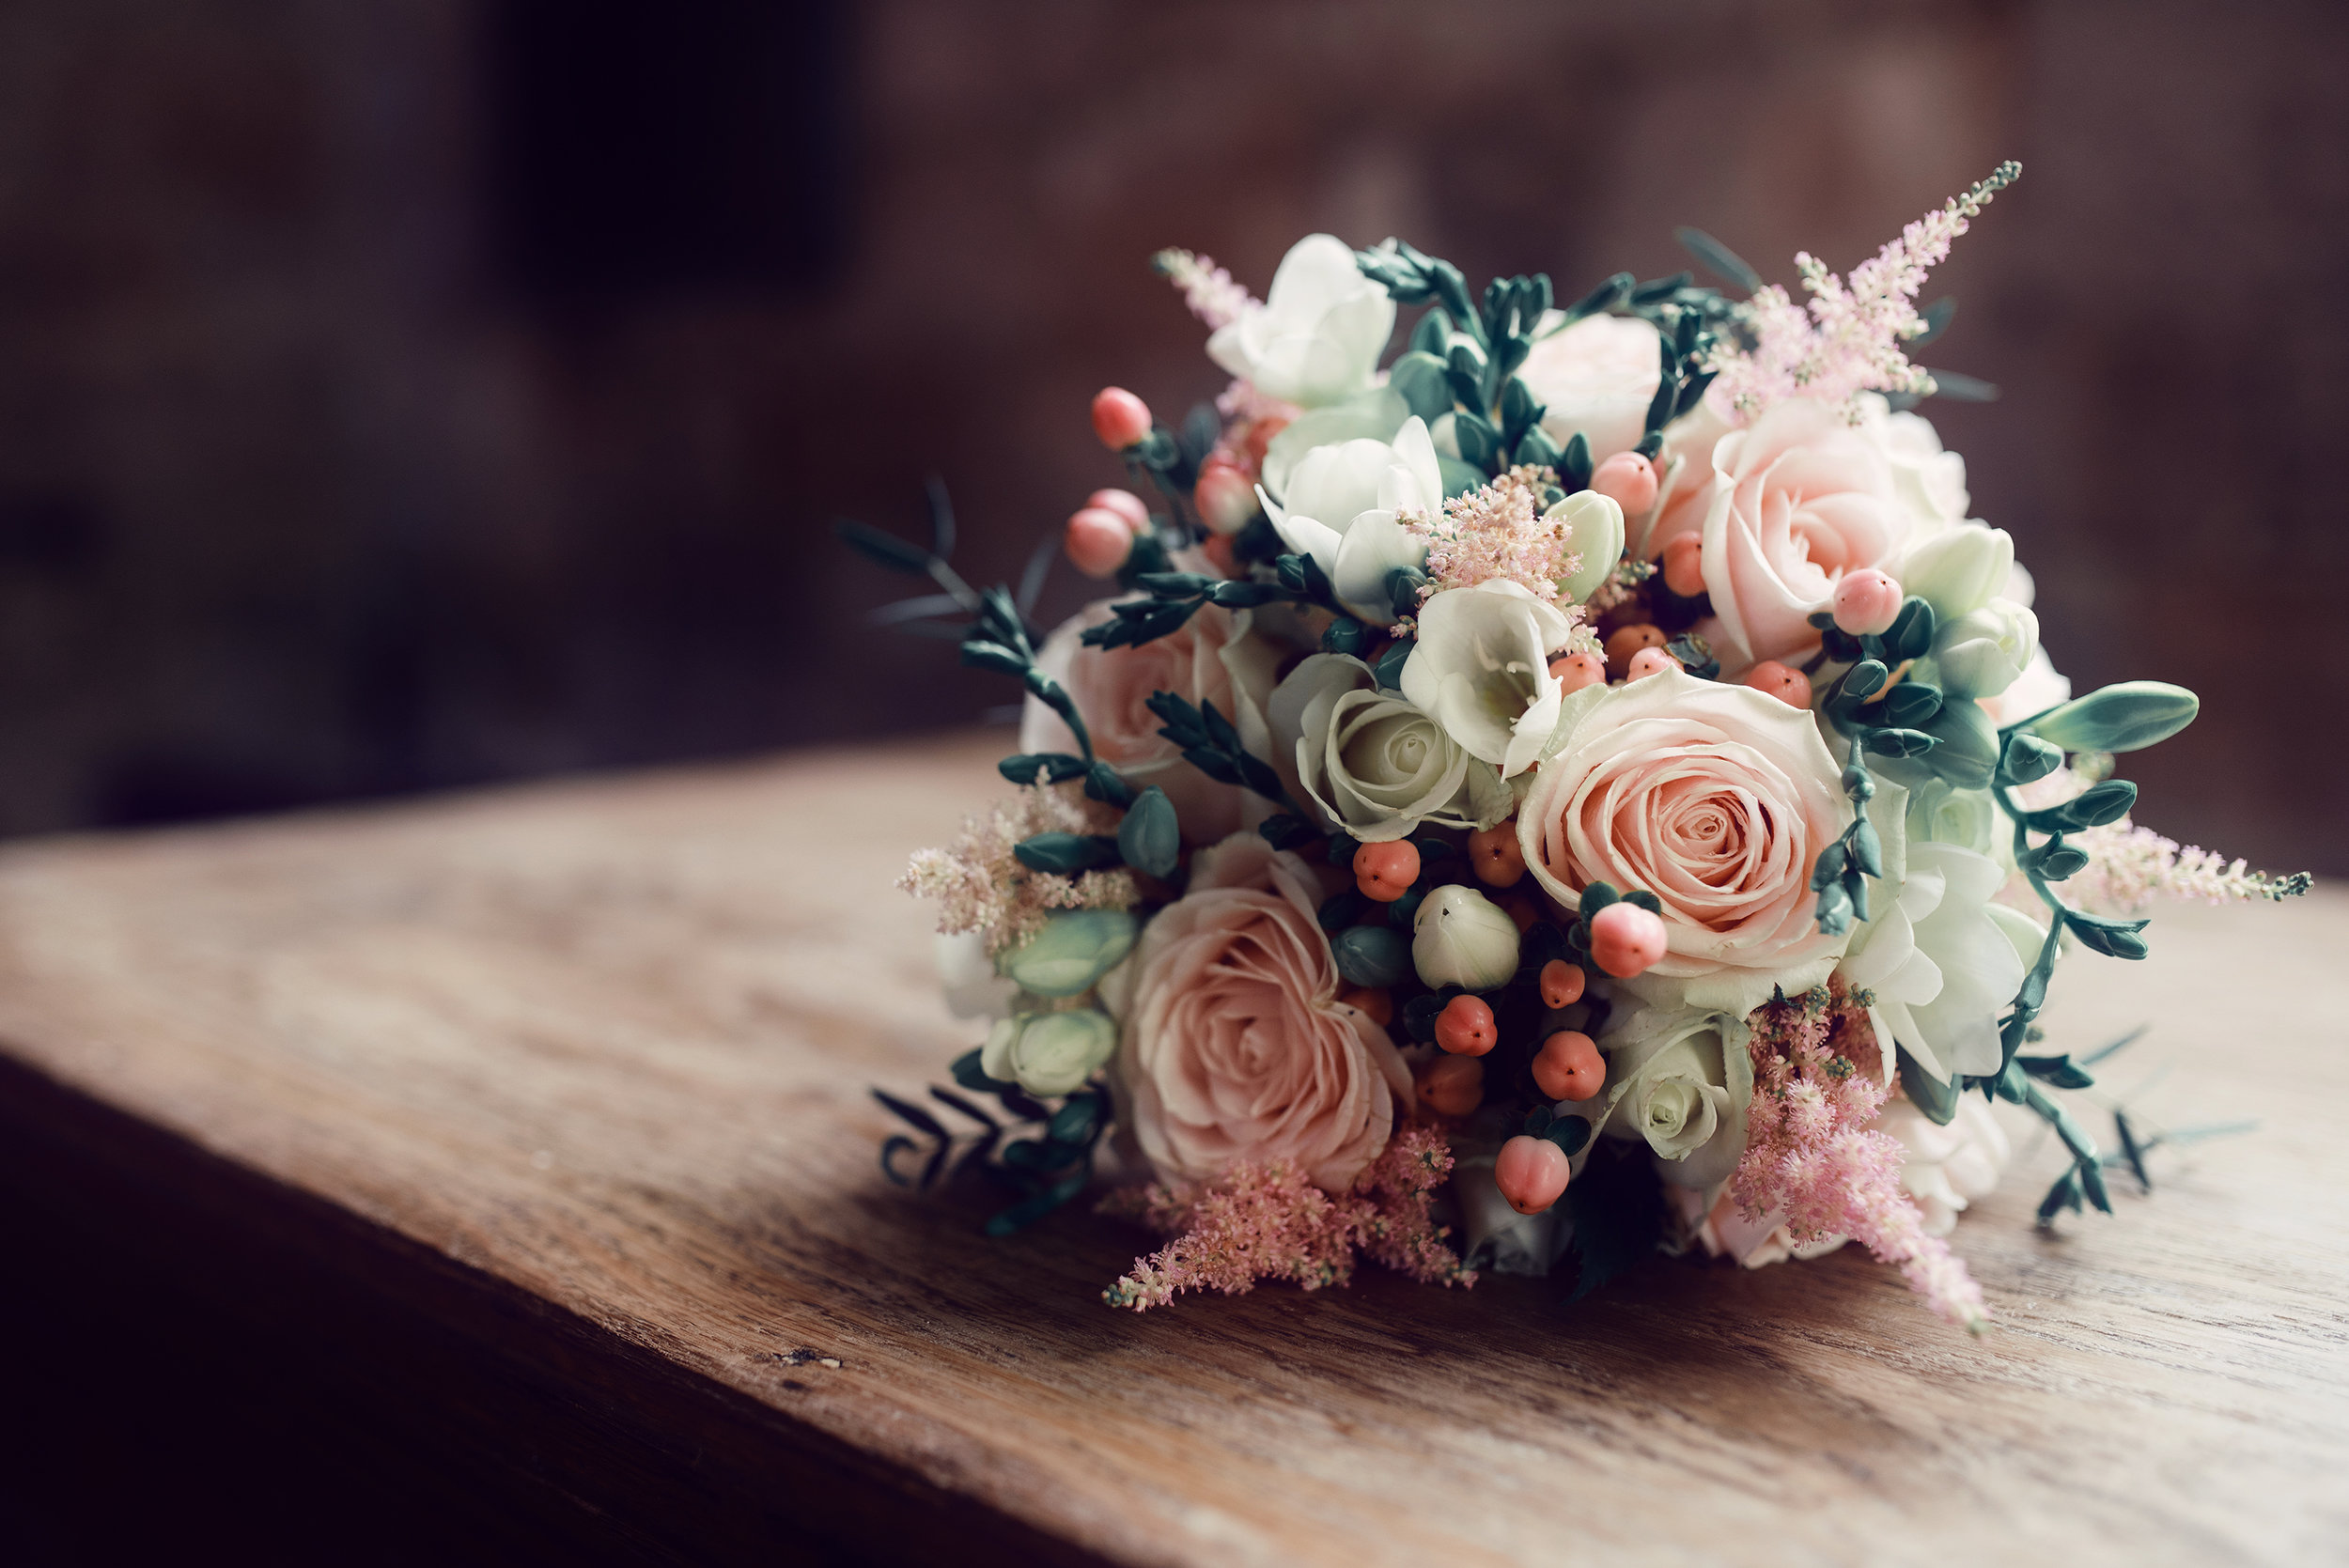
[
  {"x": 981, "y": 886},
  {"x": 1811, "y": 1152},
  {"x": 1850, "y": 339},
  {"x": 2128, "y": 868},
  {"x": 1269, "y": 1222},
  {"x": 1497, "y": 531},
  {"x": 1210, "y": 292}
]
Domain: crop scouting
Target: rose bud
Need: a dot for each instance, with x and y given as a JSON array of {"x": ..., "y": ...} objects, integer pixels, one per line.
[
  {"x": 1626, "y": 939},
  {"x": 1866, "y": 602},
  {"x": 1119, "y": 418},
  {"x": 1531, "y": 1172},
  {"x": 1461, "y": 937},
  {"x": 1050, "y": 1053},
  {"x": 1075, "y": 949}
]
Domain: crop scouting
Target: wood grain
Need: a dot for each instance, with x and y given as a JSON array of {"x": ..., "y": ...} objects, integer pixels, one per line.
[{"x": 561, "y": 1094}]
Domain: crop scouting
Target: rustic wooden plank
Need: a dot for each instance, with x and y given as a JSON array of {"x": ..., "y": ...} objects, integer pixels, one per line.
[{"x": 569, "y": 1083}]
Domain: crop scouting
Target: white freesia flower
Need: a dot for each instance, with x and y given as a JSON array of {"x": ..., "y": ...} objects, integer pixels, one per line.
[
  {"x": 1342, "y": 505},
  {"x": 1959, "y": 569},
  {"x": 1461, "y": 937},
  {"x": 1482, "y": 667},
  {"x": 1594, "y": 524},
  {"x": 1320, "y": 331},
  {"x": 1596, "y": 376},
  {"x": 1982, "y": 653},
  {"x": 1379, "y": 767},
  {"x": 1938, "y": 961},
  {"x": 1944, "y": 1168}
]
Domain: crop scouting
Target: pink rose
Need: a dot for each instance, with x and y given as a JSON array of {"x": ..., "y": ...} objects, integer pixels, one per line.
[
  {"x": 1211, "y": 659},
  {"x": 1800, "y": 497},
  {"x": 1716, "y": 799},
  {"x": 1234, "y": 1045}
]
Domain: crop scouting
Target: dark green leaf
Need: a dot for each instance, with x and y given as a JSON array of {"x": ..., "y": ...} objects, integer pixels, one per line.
[
  {"x": 1911, "y": 632},
  {"x": 1899, "y": 743},
  {"x": 883, "y": 548},
  {"x": 1718, "y": 258},
  {"x": 1569, "y": 1133},
  {"x": 1345, "y": 635},
  {"x": 1574, "y": 464},
  {"x": 1962, "y": 388},
  {"x": 2113, "y": 937},
  {"x": 1936, "y": 320},
  {"x": 1021, "y": 1215},
  {"x": 2061, "y": 1071},
  {"x": 1341, "y": 909},
  {"x": 1066, "y": 854},
  {"x": 1285, "y": 832},
  {"x": 2097, "y": 805},
  {"x": 1057, "y": 766},
  {"x": 908, "y": 1111},
  {"x": 1103, "y": 783},
  {"x": 1911, "y": 704},
  {"x": 1934, "y": 1096},
  {"x": 1605, "y": 297},
  {"x": 2028, "y": 759}
]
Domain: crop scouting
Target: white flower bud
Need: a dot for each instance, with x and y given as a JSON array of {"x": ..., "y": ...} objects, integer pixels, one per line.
[
  {"x": 1594, "y": 532},
  {"x": 1049, "y": 1053},
  {"x": 1076, "y": 948},
  {"x": 1958, "y": 569},
  {"x": 1461, "y": 937},
  {"x": 1980, "y": 652}
]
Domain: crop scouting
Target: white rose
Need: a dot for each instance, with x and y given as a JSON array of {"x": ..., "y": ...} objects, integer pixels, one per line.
[
  {"x": 1939, "y": 962},
  {"x": 1982, "y": 653},
  {"x": 1932, "y": 481},
  {"x": 1597, "y": 377},
  {"x": 1319, "y": 333},
  {"x": 1342, "y": 506},
  {"x": 1946, "y": 1166},
  {"x": 1378, "y": 765},
  {"x": 1049, "y": 1053},
  {"x": 1482, "y": 667},
  {"x": 1681, "y": 1079},
  {"x": 1959, "y": 569}
]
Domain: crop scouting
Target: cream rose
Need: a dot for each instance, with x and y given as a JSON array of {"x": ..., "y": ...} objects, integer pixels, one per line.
[
  {"x": 1596, "y": 376},
  {"x": 1378, "y": 765},
  {"x": 1234, "y": 1045},
  {"x": 1680, "y": 1078},
  {"x": 1213, "y": 658},
  {"x": 1802, "y": 499},
  {"x": 1716, "y": 799}
]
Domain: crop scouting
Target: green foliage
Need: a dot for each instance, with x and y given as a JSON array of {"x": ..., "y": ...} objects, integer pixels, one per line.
[
  {"x": 1373, "y": 955},
  {"x": 1211, "y": 745},
  {"x": 2124, "y": 718},
  {"x": 1149, "y": 839},
  {"x": 1066, "y": 854}
]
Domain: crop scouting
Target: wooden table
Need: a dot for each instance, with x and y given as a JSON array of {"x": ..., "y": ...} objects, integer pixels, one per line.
[{"x": 535, "y": 1125}]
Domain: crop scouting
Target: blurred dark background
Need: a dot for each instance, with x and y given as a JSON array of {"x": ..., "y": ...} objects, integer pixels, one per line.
[{"x": 397, "y": 394}]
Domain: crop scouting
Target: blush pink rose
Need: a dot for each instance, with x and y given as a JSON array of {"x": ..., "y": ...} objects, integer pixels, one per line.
[
  {"x": 1234, "y": 1045},
  {"x": 1716, "y": 799},
  {"x": 1213, "y": 658},
  {"x": 1798, "y": 498}
]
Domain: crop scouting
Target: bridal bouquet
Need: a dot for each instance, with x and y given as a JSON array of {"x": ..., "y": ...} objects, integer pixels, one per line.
[{"x": 1582, "y": 785}]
